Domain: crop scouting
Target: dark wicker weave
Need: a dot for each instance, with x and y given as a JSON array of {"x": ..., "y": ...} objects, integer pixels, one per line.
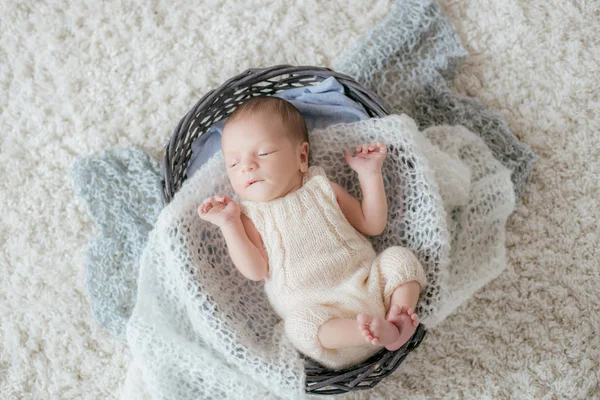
[{"x": 218, "y": 104}]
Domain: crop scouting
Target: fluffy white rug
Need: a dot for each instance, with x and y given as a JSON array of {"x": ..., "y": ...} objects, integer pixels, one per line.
[{"x": 76, "y": 78}]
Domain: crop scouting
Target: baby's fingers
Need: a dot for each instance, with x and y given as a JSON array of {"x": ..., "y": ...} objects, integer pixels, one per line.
[
  {"x": 226, "y": 199},
  {"x": 214, "y": 200},
  {"x": 206, "y": 206},
  {"x": 369, "y": 148},
  {"x": 377, "y": 147}
]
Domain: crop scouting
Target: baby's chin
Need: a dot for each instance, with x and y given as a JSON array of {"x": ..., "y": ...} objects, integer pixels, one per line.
[
  {"x": 261, "y": 192},
  {"x": 256, "y": 196},
  {"x": 257, "y": 199}
]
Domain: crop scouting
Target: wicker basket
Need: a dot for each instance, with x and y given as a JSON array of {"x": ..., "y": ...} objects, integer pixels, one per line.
[{"x": 218, "y": 104}]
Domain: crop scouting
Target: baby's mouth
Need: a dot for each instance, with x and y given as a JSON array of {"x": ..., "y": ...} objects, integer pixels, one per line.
[{"x": 252, "y": 182}]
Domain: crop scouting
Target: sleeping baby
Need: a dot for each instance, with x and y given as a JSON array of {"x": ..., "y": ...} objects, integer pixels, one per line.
[{"x": 304, "y": 235}]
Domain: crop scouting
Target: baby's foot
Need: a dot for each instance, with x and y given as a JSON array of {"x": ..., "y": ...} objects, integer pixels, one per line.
[
  {"x": 406, "y": 320},
  {"x": 377, "y": 330}
]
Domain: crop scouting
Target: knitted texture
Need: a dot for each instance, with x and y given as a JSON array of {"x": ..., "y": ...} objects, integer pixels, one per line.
[
  {"x": 321, "y": 267},
  {"x": 121, "y": 189},
  {"x": 410, "y": 60},
  {"x": 202, "y": 330},
  {"x": 477, "y": 227}
]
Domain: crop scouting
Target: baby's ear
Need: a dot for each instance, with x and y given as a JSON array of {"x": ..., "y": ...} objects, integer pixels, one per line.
[{"x": 304, "y": 149}]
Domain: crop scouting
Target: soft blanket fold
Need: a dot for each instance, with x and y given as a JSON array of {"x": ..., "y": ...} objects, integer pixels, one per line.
[
  {"x": 410, "y": 60},
  {"x": 121, "y": 188}
]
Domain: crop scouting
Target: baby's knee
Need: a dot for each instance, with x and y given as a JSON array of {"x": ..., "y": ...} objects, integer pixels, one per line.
[{"x": 400, "y": 265}]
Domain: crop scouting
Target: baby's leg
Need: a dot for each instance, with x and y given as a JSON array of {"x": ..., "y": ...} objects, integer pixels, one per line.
[
  {"x": 339, "y": 333},
  {"x": 401, "y": 313},
  {"x": 403, "y": 277},
  {"x": 327, "y": 335},
  {"x": 405, "y": 295}
]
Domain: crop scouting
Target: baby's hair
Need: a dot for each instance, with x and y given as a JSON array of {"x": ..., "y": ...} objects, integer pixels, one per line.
[{"x": 292, "y": 119}]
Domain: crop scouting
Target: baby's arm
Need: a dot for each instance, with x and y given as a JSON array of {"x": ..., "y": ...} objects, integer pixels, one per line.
[
  {"x": 246, "y": 255},
  {"x": 370, "y": 216}
]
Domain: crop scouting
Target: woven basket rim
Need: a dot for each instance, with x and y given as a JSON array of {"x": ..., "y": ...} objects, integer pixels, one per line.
[{"x": 173, "y": 160}]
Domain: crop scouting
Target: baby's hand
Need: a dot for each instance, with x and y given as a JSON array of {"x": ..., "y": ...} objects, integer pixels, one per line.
[
  {"x": 219, "y": 210},
  {"x": 368, "y": 159}
]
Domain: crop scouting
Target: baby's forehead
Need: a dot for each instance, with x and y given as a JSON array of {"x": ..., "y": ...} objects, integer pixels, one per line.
[{"x": 259, "y": 131}]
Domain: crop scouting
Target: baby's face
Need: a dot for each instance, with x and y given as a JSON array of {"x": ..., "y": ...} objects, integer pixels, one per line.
[{"x": 263, "y": 162}]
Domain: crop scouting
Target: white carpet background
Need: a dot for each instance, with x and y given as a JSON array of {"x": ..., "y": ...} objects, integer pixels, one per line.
[{"x": 76, "y": 79}]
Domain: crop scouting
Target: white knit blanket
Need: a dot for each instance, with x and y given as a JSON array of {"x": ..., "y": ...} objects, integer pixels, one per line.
[{"x": 201, "y": 330}]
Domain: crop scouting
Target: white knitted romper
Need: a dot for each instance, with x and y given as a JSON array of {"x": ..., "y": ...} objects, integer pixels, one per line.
[{"x": 321, "y": 267}]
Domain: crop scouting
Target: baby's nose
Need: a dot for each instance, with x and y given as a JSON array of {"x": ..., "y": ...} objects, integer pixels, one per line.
[{"x": 249, "y": 166}]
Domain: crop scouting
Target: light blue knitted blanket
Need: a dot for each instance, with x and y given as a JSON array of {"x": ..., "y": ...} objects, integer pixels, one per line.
[
  {"x": 121, "y": 189},
  {"x": 409, "y": 59}
]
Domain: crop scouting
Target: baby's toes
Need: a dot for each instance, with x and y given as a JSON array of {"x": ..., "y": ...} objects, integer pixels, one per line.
[
  {"x": 366, "y": 333},
  {"x": 371, "y": 337},
  {"x": 415, "y": 319},
  {"x": 364, "y": 325}
]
